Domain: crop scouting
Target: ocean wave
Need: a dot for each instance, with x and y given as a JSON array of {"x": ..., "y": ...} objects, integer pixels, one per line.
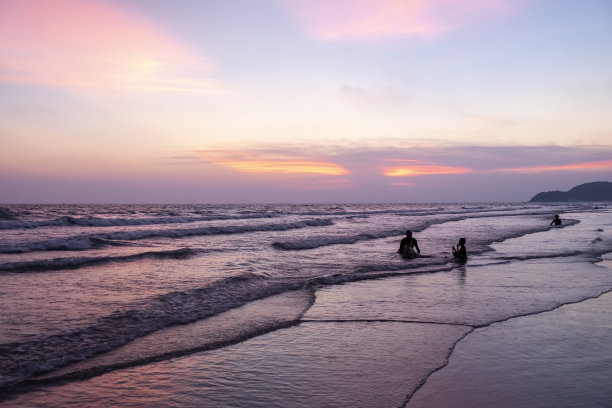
[
  {"x": 77, "y": 262},
  {"x": 9, "y": 219},
  {"x": 64, "y": 244},
  {"x": 68, "y": 221},
  {"x": 45, "y": 354},
  {"x": 24, "y": 359},
  {"x": 320, "y": 241},
  {"x": 91, "y": 241},
  {"x": 251, "y": 320},
  {"x": 7, "y": 214},
  {"x": 540, "y": 256}
]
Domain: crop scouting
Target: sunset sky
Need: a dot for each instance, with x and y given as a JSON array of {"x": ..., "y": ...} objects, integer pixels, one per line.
[{"x": 223, "y": 101}]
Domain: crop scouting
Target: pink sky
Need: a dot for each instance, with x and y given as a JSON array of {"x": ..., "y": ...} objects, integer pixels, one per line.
[
  {"x": 92, "y": 44},
  {"x": 364, "y": 20},
  {"x": 296, "y": 100}
]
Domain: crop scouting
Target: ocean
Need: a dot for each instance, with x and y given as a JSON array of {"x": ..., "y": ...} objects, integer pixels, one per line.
[{"x": 304, "y": 305}]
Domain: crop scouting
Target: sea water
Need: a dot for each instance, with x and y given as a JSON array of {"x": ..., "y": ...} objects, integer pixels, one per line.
[{"x": 273, "y": 305}]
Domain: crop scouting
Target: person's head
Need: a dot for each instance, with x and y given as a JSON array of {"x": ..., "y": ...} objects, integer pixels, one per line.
[
  {"x": 461, "y": 241},
  {"x": 557, "y": 216},
  {"x": 408, "y": 233}
]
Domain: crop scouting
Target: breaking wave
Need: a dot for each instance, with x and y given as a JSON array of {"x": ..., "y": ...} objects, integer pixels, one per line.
[
  {"x": 67, "y": 221},
  {"x": 77, "y": 262},
  {"x": 21, "y": 360},
  {"x": 91, "y": 241}
]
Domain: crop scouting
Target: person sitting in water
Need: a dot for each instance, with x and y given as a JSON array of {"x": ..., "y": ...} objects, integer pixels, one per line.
[
  {"x": 460, "y": 252},
  {"x": 408, "y": 246},
  {"x": 556, "y": 221}
]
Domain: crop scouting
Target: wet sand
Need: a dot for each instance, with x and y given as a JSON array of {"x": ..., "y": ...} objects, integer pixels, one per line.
[{"x": 561, "y": 358}]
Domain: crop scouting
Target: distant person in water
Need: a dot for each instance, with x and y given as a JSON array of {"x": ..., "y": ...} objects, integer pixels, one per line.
[
  {"x": 408, "y": 246},
  {"x": 460, "y": 252},
  {"x": 556, "y": 221}
]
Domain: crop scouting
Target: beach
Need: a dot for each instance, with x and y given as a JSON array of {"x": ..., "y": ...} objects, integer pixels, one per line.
[{"x": 307, "y": 306}]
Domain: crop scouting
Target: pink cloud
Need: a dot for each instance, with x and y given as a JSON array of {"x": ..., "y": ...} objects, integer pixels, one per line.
[
  {"x": 587, "y": 166},
  {"x": 367, "y": 20},
  {"x": 413, "y": 168},
  {"x": 271, "y": 163},
  {"x": 91, "y": 44}
]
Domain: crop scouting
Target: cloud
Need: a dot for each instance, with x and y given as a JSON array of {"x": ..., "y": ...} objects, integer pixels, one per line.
[
  {"x": 418, "y": 168},
  {"x": 367, "y": 20},
  {"x": 90, "y": 44},
  {"x": 586, "y": 166},
  {"x": 354, "y": 161},
  {"x": 214, "y": 177},
  {"x": 259, "y": 162}
]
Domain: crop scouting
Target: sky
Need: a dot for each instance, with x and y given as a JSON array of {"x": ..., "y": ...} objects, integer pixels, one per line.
[{"x": 302, "y": 101}]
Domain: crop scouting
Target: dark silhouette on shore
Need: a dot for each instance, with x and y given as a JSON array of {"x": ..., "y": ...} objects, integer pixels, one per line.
[
  {"x": 408, "y": 246},
  {"x": 596, "y": 191}
]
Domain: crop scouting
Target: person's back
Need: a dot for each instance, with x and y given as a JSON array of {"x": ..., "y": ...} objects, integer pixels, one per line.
[
  {"x": 409, "y": 246},
  {"x": 556, "y": 221}
]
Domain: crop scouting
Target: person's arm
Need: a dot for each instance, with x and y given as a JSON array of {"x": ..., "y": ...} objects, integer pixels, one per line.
[{"x": 414, "y": 241}]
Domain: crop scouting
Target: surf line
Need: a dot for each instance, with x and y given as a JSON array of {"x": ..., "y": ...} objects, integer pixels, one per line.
[
  {"x": 484, "y": 325},
  {"x": 381, "y": 321},
  {"x": 450, "y": 352}
]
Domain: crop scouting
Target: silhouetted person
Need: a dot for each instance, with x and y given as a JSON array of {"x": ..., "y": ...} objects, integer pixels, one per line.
[
  {"x": 408, "y": 246},
  {"x": 460, "y": 252},
  {"x": 556, "y": 221}
]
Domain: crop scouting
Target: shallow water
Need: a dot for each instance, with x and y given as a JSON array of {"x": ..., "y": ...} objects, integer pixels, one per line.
[
  {"x": 561, "y": 358},
  {"x": 313, "y": 365},
  {"x": 251, "y": 306}
]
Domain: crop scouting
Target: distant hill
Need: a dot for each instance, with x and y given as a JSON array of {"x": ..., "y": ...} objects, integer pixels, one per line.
[{"x": 596, "y": 191}]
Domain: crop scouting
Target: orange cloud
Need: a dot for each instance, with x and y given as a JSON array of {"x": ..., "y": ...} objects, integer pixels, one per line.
[
  {"x": 420, "y": 169},
  {"x": 273, "y": 164},
  {"x": 586, "y": 166},
  {"x": 367, "y": 20},
  {"x": 289, "y": 166},
  {"x": 90, "y": 44}
]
